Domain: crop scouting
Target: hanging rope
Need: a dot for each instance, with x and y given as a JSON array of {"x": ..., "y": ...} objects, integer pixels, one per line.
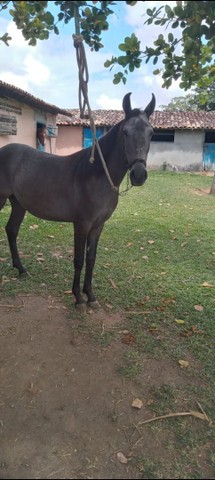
[{"x": 83, "y": 94}]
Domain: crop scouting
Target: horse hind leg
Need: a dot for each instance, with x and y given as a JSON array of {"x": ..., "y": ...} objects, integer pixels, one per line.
[
  {"x": 2, "y": 202},
  {"x": 12, "y": 229},
  {"x": 92, "y": 243}
]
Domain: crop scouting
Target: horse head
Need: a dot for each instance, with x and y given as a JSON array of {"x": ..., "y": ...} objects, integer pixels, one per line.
[{"x": 137, "y": 135}]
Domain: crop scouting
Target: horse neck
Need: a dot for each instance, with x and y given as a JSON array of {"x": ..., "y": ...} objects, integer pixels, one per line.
[{"x": 111, "y": 146}]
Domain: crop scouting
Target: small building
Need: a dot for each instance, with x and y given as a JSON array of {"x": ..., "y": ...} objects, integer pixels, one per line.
[
  {"x": 27, "y": 119},
  {"x": 183, "y": 141}
]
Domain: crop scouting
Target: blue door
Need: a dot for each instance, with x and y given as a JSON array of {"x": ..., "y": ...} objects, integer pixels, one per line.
[
  {"x": 88, "y": 140},
  {"x": 209, "y": 156}
]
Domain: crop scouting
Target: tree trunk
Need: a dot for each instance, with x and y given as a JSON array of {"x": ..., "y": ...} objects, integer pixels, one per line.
[{"x": 212, "y": 190}]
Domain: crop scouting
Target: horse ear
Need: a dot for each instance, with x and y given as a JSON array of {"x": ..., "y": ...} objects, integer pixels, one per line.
[
  {"x": 151, "y": 106},
  {"x": 126, "y": 104}
]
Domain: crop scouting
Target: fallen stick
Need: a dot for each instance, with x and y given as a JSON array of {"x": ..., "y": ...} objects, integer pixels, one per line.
[{"x": 201, "y": 416}]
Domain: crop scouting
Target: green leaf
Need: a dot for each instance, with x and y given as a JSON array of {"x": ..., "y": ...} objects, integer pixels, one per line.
[
  {"x": 116, "y": 80},
  {"x": 32, "y": 42},
  {"x": 122, "y": 47},
  {"x": 6, "y": 38},
  {"x": 175, "y": 24},
  {"x": 169, "y": 11},
  {"x": 48, "y": 18}
]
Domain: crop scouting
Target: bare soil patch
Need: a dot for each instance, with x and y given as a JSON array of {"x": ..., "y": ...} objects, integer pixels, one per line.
[
  {"x": 201, "y": 191},
  {"x": 66, "y": 412}
]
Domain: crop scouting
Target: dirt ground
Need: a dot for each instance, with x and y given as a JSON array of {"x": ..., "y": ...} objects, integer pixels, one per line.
[{"x": 65, "y": 411}]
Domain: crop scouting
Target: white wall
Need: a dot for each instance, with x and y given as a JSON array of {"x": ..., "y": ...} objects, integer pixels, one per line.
[{"x": 186, "y": 152}]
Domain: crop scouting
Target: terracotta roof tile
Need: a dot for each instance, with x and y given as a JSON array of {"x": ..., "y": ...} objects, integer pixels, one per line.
[
  {"x": 159, "y": 120},
  {"x": 10, "y": 91},
  {"x": 101, "y": 118}
]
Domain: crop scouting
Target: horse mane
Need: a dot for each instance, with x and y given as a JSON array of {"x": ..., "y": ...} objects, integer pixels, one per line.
[{"x": 134, "y": 113}]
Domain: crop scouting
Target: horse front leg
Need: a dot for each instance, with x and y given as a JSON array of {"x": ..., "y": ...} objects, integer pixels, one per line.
[
  {"x": 12, "y": 229},
  {"x": 80, "y": 239},
  {"x": 92, "y": 243}
]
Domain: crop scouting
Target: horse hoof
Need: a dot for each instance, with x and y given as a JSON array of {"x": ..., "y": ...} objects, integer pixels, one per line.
[
  {"x": 81, "y": 307},
  {"x": 23, "y": 275},
  {"x": 94, "y": 305}
]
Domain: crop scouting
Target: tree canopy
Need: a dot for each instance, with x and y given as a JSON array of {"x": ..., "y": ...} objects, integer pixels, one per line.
[
  {"x": 186, "y": 54},
  {"x": 200, "y": 99}
]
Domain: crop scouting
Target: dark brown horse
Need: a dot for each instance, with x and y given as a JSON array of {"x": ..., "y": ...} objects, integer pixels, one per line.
[{"x": 72, "y": 189}]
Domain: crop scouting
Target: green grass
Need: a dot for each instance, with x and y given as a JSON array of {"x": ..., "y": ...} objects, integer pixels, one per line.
[
  {"x": 133, "y": 274},
  {"x": 154, "y": 257}
]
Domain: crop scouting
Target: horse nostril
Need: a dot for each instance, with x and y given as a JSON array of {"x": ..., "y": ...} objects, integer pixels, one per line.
[{"x": 138, "y": 174}]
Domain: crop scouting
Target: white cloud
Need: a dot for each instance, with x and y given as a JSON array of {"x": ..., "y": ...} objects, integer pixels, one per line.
[
  {"x": 36, "y": 72},
  {"x": 18, "y": 40},
  {"x": 109, "y": 103},
  {"x": 21, "y": 64},
  {"x": 16, "y": 80}
]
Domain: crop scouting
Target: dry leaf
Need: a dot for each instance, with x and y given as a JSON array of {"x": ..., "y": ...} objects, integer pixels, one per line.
[
  {"x": 33, "y": 227},
  {"x": 183, "y": 363},
  {"x": 145, "y": 257},
  {"x": 151, "y": 242},
  {"x": 186, "y": 333},
  {"x": 179, "y": 321},
  {"x": 206, "y": 284},
  {"x": 199, "y": 308},
  {"x": 106, "y": 265},
  {"x": 137, "y": 403},
  {"x": 57, "y": 255},
  {"x": 199, "y": 415},
  {"x": 129, "y": 244},
  {"x": 112, "y": 283},
  {"x": 183, "y": 244},
  {"x": 67, "y": 292},
  {"x": 50, "y": 236},
  {"x": 108, "y": 305},
  {"x": 153, "y": 327},
  {"x": 196, "y": 330},
  {"x": 121, "y": 458},
  {"x": 128, "y": 339}
]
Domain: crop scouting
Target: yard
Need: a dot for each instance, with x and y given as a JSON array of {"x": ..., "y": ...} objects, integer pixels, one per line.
[{"x": 77, "y": 390}]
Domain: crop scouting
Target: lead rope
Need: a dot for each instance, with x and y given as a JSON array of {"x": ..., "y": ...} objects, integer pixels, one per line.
[{"x": 83, "y": 94}]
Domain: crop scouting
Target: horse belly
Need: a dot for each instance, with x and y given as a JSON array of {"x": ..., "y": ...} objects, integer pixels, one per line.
[
  {"x": 49, "y": 209},
  {"x": 42, "y": 192}
]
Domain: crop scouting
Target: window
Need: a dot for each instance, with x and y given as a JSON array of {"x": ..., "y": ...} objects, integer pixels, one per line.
[
  {"x": 163, "y": 136},
  {"x": 87, "y": 140},
  {"x": 210, "y": 137},
  {"x": 8, "y": 124},
  {"x": 41, "y": 136},
  {"x": 52, "y": 131}
]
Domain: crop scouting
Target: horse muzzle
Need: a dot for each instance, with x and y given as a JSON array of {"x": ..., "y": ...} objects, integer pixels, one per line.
[{"x": 138, "y": 174}]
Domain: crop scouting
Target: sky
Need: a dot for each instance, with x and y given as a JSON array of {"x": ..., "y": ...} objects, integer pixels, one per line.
[{"x": 49, "y": 70}]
